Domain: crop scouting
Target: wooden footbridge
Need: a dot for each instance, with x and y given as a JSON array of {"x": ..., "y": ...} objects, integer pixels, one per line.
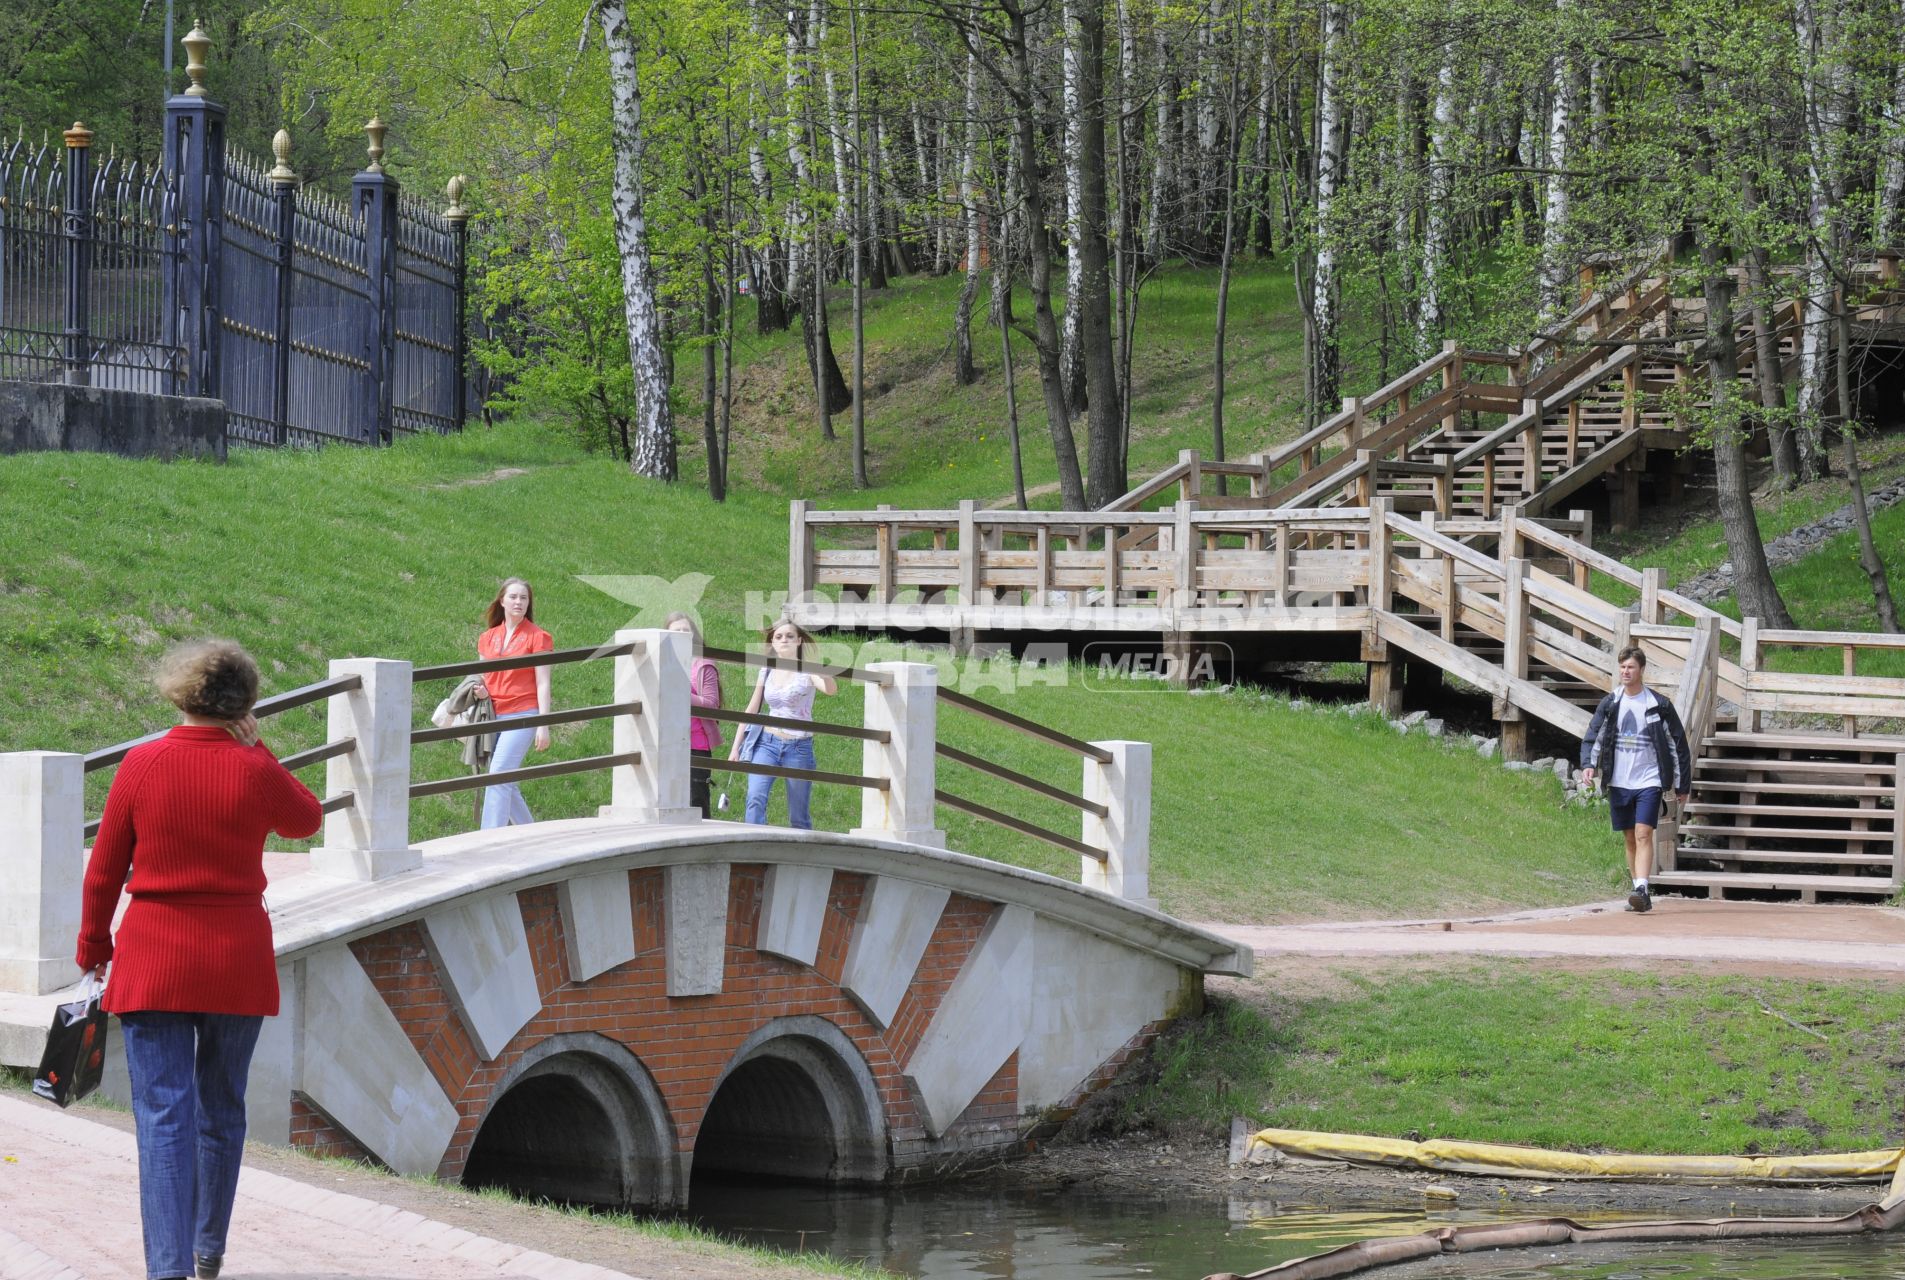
[{"x": 1441, "y": 527}]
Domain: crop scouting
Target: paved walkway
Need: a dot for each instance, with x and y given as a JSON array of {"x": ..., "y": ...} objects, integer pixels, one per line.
[
  {"x": 69, "y": 1210},
  {"x": 1720, "y": 936}
]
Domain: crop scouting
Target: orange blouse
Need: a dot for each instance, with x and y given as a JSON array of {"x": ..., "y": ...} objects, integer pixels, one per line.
[{"x": 515, "y": 690}]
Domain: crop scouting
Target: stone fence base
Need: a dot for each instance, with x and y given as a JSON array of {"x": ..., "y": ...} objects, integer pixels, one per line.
[{"x": 43, "y": 416}]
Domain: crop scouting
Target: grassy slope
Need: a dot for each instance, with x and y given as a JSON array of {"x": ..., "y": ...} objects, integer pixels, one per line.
[
  {"x": 931, "y": 442},
  {"x": 1509, "y": 1052},
  {"x": 1261, "y": 812}
]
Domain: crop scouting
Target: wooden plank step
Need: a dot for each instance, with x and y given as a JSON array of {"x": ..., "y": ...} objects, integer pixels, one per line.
[
  {"x": 1775, "y": 880},
  {"x": 1806, "y": 742},
  {"x": 1794, "y": 789},
  {"x": 1814, "y": 768},
  {"x": 1788, "y": 855},
  {"x": 1788, "y": 810},
  {"x": 1787, "y": 833}
]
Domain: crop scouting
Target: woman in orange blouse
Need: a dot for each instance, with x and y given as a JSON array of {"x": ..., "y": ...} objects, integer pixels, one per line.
[{"x": 522, "y": 691}]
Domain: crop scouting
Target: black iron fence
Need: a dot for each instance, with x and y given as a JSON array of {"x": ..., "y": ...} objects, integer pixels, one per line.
[{"x": 314, "y": 319}]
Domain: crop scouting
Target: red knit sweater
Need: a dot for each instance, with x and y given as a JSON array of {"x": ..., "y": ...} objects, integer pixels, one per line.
[{"x": 188, "y": 814}]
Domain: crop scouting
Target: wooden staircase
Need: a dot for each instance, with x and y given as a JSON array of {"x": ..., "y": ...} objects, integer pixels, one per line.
[{"x": 1791, "y": 812}]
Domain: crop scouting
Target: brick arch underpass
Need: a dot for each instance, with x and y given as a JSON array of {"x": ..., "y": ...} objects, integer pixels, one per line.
[{"x": 601, "y": 1023}]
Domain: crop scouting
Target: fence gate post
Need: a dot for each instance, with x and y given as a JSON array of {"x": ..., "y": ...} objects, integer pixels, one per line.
[
  {"x": 459, "y": 218},
  {"x": 42, "y": 859},
  {"x": 195, "y": 154},
  {"x": 907, "y": 710},
  {"x": 374, "y": 196},
  {"x": 79, "y": 242},
  {"x": 284, "y": 188},
  {"x": 1123, "y": 786}
]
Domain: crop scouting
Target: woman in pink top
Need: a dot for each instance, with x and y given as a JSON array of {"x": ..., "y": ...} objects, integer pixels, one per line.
[
  {"x": 704, "y": 690},
  {"x": 788, "y": 693}
]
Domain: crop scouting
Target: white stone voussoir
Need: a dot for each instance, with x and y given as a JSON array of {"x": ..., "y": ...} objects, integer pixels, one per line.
[
  {"x": 980, "y": 1022},
  {"x": 482, "y": 956},
  {"x": 598, "y": 923},
  {"x": 897, "y": 919},
  {"x": 697, "y": 947},
  {"x": 358, "y": 1067},
  {"x": 793, "y": 911}
]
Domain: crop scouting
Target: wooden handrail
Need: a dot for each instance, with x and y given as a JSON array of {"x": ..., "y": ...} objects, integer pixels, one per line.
[
  {"x": 553, "y": 658},
  {"x": 1011, "y": 823},
  {"x": 858, "y": 674},
  {"x": 985, "y": 710},
  {"x": 788, "y": 771},
  {"x": 444, "y": 786},
  {"x": 1018, "y": 779},
  {"x": 481, "y": 727},
  {"x": 785, "y": 722},
  {"x": 265, "y": 708}
]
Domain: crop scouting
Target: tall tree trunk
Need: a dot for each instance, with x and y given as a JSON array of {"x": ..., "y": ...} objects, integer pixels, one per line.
[
  {"x": 1769, "y": 373},
  {"x": 1869, "y": 558},
  {"x": 711, "y": 321},
  {"x": 963, "y": 372},
  {"x": 1011, "y": 383},
  {"x": 1752, "y": 578},
  {"x": 1105, "y": 453},
  {"x": 1816, "y": 337},
  {"x": 856, "y": 246},
  {"x": 1227, "y": 245},
  {"x": 1125, "y": 257},
  {"x": 1071, "y": 485},
  {"x": 1556, "y": 260},
  {"x": 1433, "y": 318},
  {"x": 1886, "y": 214},
  {"x": 1071, "y": 349},
  {"x": 1163, "y": 153},
  {"x": 1326, "y": 361},
  {"x": 652, "y": 452}
]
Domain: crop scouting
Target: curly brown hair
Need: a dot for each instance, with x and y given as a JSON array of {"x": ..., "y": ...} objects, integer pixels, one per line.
[{"x": 214, "y": 678}]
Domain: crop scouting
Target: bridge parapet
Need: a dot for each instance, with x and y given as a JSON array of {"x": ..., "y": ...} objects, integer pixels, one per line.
[{"x": 369, "y": 782}]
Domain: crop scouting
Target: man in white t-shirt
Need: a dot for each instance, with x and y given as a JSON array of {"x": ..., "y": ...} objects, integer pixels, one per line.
[{"x": 1636, "y": 740}]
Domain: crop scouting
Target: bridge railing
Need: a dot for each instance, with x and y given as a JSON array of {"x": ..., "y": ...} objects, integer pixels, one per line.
[{"x": 369, "y": 782}]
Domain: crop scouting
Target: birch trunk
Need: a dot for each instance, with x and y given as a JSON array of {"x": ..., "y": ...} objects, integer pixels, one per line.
[
  {"x": 1891, "y": 183},
  {"x": 1555, "y": 258},
  {"x": 1156, "y": 223},
  {"x": 1432, "y": 319},
  {"x": 1324, "y": 290},
  {"x": 1072, "y": 353},
  {"x": 963, "y": 372},
  {"x": 1816, "y": 335},
  {"x": 652, "y": 451}
]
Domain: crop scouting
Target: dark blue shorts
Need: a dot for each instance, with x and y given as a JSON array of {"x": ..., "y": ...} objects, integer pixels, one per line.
[{"x": 1631, "y": 807}]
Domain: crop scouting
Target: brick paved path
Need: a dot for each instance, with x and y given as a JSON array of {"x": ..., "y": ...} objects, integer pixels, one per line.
[{"x": 69, "y": 1210}]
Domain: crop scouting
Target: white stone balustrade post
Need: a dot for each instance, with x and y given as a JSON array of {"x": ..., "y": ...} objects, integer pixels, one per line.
[
  {"x": 655, "y": 789},
  {"x": 42, "y": 860},
  {"x": 1123, "y": 786},
  {"x": 907, "y": 709},
  {"x": 369, "y": 839}
]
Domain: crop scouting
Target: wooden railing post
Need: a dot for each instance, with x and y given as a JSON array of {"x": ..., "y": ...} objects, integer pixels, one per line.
[
  {"x": 1531, "y": 447},
  {"x": 1515, "y": 614},
  {"x": 1280, "y": 566},
  {"x": 968, "y": 553},
  {"x": 1511, "y": 532},
  {"x": 906, "y": 709},
  {"x": 1353, "y": 429},
  {"x": 1445, "y": 488},
  {"x": 1380, "y": 593},
  {"x": 1851, "y": 668},
  {"x": 886, "y": 546},
  {"x": 1650, "y": 596},
  {"x": 1385, "y": 672},
  {"x": 1183, "y": 557},
  {"x": 800, "y": 553},
  {"x": 42, "y": 859},
  {"x": 1451, "y": 379},
  {"x": 1123, "y": 786},
  {"x": 1192, "y": 483},
  {"x": 1749, "y": 667},
  {"x": 370, "y": 838},
  {"x": 1898, "y": 824},
  {"x": 654, "y": 788}
]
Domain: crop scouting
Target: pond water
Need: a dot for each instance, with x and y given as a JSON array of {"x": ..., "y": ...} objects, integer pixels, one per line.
[{"x": 975, "y": 1233}]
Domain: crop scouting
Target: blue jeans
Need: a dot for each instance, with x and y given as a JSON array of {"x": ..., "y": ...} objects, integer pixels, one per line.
[
  {"x": 792, "y": 753},
  {"x": 188, "y": 1106},
  {"x": 503, "y": 803}
]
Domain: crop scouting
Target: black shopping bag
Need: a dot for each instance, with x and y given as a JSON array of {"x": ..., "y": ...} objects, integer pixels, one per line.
[{"x": 75, "y": 1057}]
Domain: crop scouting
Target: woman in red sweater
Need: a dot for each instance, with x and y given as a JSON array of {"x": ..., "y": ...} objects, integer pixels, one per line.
[{"x": 193, "y": 972}]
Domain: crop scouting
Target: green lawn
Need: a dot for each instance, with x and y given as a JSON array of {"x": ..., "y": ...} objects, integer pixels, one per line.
[
  {"x": 1260, "y": 812},
  {"x": 1509, "y": 1052}
]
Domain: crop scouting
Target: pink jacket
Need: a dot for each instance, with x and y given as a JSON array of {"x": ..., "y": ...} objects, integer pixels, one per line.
[{"x": 704, "y": 690}]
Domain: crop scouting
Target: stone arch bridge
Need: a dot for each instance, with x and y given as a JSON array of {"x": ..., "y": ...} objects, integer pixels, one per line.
[{"x": 599, "y": 1009}]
